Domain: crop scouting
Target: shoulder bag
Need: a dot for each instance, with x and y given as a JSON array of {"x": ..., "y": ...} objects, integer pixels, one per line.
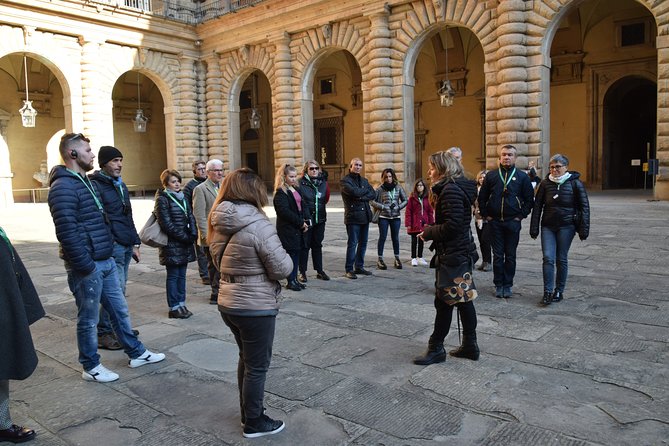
[{"x": 151, "y": 234}]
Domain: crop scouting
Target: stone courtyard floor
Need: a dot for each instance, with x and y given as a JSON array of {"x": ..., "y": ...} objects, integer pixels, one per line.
[{"x": 591, "y": 370}]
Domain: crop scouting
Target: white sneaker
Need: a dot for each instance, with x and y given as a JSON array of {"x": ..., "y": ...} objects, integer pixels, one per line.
[
  {"x": 422, "y": 261},
  {"x": 414, "y": 262},
  {"x": 99, "y": 374},
  {"x": 148, "y": 357}
]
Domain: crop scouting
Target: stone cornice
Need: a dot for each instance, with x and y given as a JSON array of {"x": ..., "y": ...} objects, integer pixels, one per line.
[{"x": 132, "y": 28}]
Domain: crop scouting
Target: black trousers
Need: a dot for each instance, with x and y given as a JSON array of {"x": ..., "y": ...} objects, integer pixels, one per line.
[
  {"x": 214, "y": 274},
  {"x": 314, "y": 241},
  {"x": 254, "y": 337},
  {"x": 444, "y": 316}
]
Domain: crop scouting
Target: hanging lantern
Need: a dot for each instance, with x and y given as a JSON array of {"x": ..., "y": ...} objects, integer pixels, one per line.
[
  {"x": 254, "y": 120},
  {"x": 27, "y": 112},
  {"x": 139, "y": 121},
  {"x": 446, "y": 94}
]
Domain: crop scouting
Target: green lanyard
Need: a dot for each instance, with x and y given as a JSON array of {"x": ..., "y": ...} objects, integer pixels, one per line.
[
  {"x": 9, "y": 244},
  {"x": 506, "y": 180},
  {"x": 181, "y": 206},
  {"x": 316, "y": 194},
  {"x": 89, "y": 186},
  {"x": 392, "y": 195}
]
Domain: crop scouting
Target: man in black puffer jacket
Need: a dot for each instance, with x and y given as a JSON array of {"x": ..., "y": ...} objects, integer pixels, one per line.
[
  {"x": 116, "y": 202},
  {"x": 506, "y": 197},
  {"x": 86, "y": 246},
  {"x": 356, "y": 193}
]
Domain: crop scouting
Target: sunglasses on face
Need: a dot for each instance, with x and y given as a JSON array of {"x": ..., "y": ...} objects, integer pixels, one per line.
[
  {"x": 558, "y": 167},
  {"x": 313, "y": 168},
  {"x": 74, "y": 136}
]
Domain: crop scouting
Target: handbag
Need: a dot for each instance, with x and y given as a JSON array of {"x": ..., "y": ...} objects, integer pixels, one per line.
[
  {"x": 455, "y": 280},
  {"x": 151, "y": 234},
  {"x": 375, "y": 215}
]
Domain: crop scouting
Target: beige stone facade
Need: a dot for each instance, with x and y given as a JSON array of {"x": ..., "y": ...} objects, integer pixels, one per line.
[{"x": 338, "y": 79}]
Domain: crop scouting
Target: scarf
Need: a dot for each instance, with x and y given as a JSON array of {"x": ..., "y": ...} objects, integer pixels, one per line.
[
  {"x": 388, "y": 186},
  {"x": 179, "y": 195},
  {"x": 561, "y": 179}
]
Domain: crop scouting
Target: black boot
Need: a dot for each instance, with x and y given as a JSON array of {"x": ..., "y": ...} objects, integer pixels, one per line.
[
  {"x": 435, "y": 353},
  {"x": 469, "y": 349}
]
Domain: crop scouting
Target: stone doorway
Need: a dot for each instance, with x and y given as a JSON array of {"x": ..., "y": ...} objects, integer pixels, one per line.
[{"x": 630, "y": 121}]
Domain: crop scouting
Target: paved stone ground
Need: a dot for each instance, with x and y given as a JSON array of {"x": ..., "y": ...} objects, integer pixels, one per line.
[{"x": 590, "y": 370}]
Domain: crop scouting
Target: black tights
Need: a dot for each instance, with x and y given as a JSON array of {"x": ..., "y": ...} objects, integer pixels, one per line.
[{"x": 442, "y": 320}]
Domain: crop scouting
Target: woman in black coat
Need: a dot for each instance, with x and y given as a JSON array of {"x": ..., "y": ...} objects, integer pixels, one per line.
[
  {"x": 175, "y": 218},
  {"x": 19, "y": 307},
  {"x": 563, "y": 201},
  {"x": 315, "y": 194},
  {"x": 291, "y": 219},
  {"x": 451, "y": 234}
]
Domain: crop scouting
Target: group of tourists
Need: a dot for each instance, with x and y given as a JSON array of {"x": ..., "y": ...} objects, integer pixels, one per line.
[{"x": 221, "y": 222}]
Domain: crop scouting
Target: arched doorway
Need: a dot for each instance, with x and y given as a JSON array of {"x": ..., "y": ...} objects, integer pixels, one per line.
[
  {"x": 454, "y": 54},
  {"x": 256, "y": 145},
  {"x": 630, "y": 119},
  {"x": 144, "y": 153},
  {"x": 22, "y": 150}
]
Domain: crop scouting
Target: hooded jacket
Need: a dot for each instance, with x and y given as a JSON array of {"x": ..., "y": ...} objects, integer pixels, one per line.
[
  {"x": 451, "y": 231},
  {"x": 116, "y": 201},
  {"x": 560, "y": 205},
  {"x": 247, "y": 251},
  {"x": 81, "y": 228},
  {"x": 314, "y": 197}
]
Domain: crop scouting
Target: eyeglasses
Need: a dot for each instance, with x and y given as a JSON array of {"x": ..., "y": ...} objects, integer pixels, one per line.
[
  {"x": 216, "y": 170},
  {"x": 313, "y": 167},
  {"x": 72, "y": 136},
  {"x": 556, "y": 167}
]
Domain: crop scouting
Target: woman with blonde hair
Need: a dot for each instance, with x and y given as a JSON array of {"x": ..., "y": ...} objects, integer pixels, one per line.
[
  {"x": 452, "y": 196},
  {"x": 291, "y": 219},
  {"x": 248, "y": 296}
]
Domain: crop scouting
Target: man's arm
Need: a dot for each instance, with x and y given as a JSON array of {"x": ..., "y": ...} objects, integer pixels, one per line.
[{"x": 200, "y": 212}]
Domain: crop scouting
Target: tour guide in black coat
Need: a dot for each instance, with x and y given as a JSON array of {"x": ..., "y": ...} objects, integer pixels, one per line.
[
  {"x": 505, "y": 198},
  {"x": 453, "y": 195},
  {"x": 356, "y": 192},
  {"x": 19, "y": 307}
]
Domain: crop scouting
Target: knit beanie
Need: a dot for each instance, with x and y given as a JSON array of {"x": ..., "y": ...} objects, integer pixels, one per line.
[{"x": 108, "y": 153}]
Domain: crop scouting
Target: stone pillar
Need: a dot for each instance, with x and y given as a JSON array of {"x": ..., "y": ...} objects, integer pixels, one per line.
[
  {"x": 201, "y": 89},
  {"x": 215, "y": 118},
  {"x": 662, "y": 148},
  {"x": 187, "y": 132},
  {"x": 511, "y": 89},
  {"x": 6, "y": 175},
  {"x": 98, "y": 120},
  {"x": 283, "y": 103},
  {"x": 379, "y": 118}
]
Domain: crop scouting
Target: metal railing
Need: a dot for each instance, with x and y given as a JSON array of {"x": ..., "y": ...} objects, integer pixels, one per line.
[{"x": 182, "y": 10}]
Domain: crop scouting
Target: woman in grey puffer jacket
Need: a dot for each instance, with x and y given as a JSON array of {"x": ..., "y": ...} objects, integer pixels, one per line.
[
  {"x": 390, "y": 200},
  {"x": 247, "y": 251}
]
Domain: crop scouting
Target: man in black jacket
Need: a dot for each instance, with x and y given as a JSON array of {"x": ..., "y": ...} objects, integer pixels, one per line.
[
  {"x": 505, "y": 198},
  {"x": 199, "y": 176},
  {"x": 356, "y": 193},
  {"x": 116, "y": 202}
]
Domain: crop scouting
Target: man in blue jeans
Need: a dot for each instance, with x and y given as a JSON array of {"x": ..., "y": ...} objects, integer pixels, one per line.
[
  {"x": 506, "y": 197},
  {"x": 87, "y": 246},
  {"x": 116, "y": 203},
  {"x": 356, "y": 193}
]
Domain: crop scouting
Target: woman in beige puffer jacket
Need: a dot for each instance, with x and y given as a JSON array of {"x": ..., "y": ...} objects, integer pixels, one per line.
[{"x": 247, "y": 251}]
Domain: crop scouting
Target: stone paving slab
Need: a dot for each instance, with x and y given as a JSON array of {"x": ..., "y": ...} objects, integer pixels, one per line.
[{"x": 591, "y": 370}]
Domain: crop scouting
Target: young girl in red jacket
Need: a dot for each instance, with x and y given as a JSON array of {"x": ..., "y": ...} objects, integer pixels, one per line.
[{"x": 418, "y": 214}]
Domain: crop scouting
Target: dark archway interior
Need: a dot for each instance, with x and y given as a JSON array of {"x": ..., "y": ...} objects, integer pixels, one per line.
[{"x": 630, "y": 121}]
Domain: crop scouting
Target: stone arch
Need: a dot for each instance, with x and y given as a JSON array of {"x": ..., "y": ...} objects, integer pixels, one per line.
[
  {"x": 236, "y": 66},
  {"x": 315, "y": 46},
  {"x": 547, "y": 18},
  {"x": 420, "y": 23}
]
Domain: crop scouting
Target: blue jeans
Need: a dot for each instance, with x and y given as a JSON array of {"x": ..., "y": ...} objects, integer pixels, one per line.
[
  {"x": 175, "y": 285},
  {"x": 122, "y": 255},
  {"x": 555, "y": 247},
  {"x": 505, "y": 238},
  {"x": 295, "y": 257},
  {"x": 356, "y": 246},
  {"x": 100, "y": 286},
  {"x": 394, "y": 224}
]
